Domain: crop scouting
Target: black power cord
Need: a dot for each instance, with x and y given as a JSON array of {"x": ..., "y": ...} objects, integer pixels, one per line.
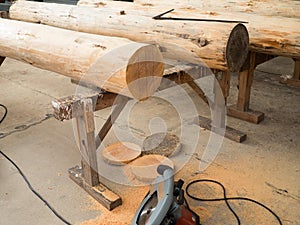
[
  {"x": 5, "y": 113},
  {"x": 34, "y": 191},
  {"x": 26, "y": 180},
  {"x": 226, "y": 199}
]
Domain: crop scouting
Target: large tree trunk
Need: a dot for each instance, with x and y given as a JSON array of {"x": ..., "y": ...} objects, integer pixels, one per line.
[
  {"x": 107, "y": 62},
  {"x": 220, "y": 45},
  {"x": 275, "y": 35},
  {"x": 285, "y": 8}
]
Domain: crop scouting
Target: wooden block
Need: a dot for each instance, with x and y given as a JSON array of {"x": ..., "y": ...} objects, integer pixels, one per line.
[
  {"x": 164, "y": 144},
  {"x": 145, "y": 167},
  {"x": 249, "y": 115},
  {"x": 69, "y": 107},
  {"x": 230, "y": 133},
  {"x": 292, "y": 82},
  {"x": 121, "y": 152},
  {"x": 101, "y": 193}
]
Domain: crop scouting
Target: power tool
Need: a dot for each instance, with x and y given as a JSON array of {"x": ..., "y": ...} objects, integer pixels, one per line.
[{"x": 165, "y": 203}]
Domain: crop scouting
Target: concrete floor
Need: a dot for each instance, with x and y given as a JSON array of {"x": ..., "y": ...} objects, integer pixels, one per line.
[{"x": 266, "y": 167}]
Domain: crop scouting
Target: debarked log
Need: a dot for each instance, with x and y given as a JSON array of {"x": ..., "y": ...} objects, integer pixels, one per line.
[
  {"x": 222, "y": 46},
  {"x": 278, "y": 34},
  {"x": 114, "y": 64}
]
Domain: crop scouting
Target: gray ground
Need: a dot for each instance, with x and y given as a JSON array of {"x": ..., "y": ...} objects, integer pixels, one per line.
[{"x": 265, "y": 167}]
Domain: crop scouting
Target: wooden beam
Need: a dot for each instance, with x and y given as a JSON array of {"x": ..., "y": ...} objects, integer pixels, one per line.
[
  {"x": 100, "y": 192},
  {"x": 249, "y": 115},
  {"x": 119, "y": 105},
  {"x": 230, "y": 133}
]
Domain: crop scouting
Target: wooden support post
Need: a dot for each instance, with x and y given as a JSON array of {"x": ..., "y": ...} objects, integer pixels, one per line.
[
  {"x": 224, "y": 81},
  {"x": 87, "y": 145},
  {"x": 1, "y": 60},
  {"x": 245, "y": 82},
  {"x": 198, "y": 90},
  {"x": 87, "y": 175},
  {"x": 295, "y": 81},
  {"x": 242, "y": 110},
  {"x": 225, "y": 84},
  {"x": 297, "y": 69},
  {"x": 122, "y": 101}
]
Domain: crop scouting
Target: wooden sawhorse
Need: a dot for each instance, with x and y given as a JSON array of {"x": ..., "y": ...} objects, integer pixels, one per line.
[
  {"x": 82, "y": 108},
  {"x": 246, "y": 75}
]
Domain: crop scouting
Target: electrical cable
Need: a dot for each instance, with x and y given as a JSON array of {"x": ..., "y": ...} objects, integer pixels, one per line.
[
  {"x": 226, "y": 199},
  {"x": 5, "y": 113},
  {"x": 34, "y": 191}
]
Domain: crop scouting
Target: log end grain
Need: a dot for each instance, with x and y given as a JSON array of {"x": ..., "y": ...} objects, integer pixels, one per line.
[
  {"x": 164, "y": 144},
  {"x": 145, "y": 167},
  {"x": 237, "y": 48},
  {"x": 121, "y": 152},
  {"x": 144, "y": 71}
]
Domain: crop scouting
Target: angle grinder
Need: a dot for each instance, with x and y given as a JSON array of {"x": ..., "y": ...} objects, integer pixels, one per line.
[{"x": 165, "y": 203}]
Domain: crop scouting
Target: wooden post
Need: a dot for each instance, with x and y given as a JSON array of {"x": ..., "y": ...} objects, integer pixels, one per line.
[
  {"x": 297, "y": 69},
  {"x": 224, "y": 81},
  {"x": 87, "y": 175},
  {"x": 246, "y": 77},
  {"x": 1, "y": 60},
  {"x": 87, "y": 144},
  {"x": 295, "y": 80},
  {"x": 242, "y": 109},
  {"x": 184, "y": 77}
]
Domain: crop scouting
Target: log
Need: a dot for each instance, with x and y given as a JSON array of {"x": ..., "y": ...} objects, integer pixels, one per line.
[
  {"x": 287, "y": 8},
  {"x": 282, "y": 39},
  {"x": 221, "y": 46},
  {"x": 80, "y": 55}
]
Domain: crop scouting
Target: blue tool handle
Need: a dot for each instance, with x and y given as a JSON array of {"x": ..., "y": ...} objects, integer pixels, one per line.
[{"x": 162, "y": 168}]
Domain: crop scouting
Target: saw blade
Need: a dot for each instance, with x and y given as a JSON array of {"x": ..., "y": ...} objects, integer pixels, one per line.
[{"x": 148, "y": 209}]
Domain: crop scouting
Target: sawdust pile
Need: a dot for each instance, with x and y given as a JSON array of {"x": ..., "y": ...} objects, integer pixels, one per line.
[{"x": 122, "y": 215}]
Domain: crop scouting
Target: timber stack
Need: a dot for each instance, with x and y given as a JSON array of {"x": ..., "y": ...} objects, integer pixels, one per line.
[{"x": 222, "y": 46}]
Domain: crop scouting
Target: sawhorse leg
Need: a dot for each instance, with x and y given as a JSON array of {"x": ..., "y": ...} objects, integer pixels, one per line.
[
  {"x": 242, "y": 109},
  {"x": 295, "y": 81},
  {"x": 87, "y": 175},
  {"x": 1, "y": 60},
  {"x": 224, "y": 81}
]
